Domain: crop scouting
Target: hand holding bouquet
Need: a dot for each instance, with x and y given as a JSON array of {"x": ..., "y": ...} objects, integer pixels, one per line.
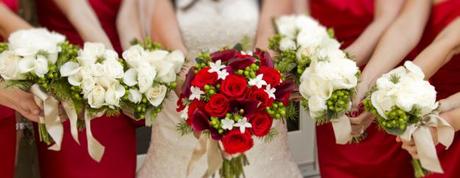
[
  {"x": 405, "y": 105},
  {"x": 150, "y": 76},
  {"x": 230, "y": 96},
  {"x": 31, "y": 60}
]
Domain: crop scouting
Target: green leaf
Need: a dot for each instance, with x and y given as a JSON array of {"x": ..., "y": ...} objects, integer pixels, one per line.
[
  {"x": 184, "y": 128},
  {"x": 270, "y": 136},
  {"x": 3, "y": 47}
]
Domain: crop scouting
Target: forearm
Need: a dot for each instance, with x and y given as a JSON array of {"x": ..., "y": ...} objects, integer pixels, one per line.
[
  {"x": 453, "y": 118},
  {"x": 401, "y": 37},
  {"x": 10, "y": 22},
  {"x": 441, "y": 50},
  {"x": 83, "y": 18},
  {"x": 450, "y": 103},
  {"x": 128, "y": 23},
  {"x": 270, "y": 10},
  {"x": 165, "y": 28}
]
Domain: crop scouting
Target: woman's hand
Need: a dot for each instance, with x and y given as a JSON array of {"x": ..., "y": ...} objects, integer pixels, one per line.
[
  {"x": 410, "y": 147},
  {"x": 20, "y": 101}
]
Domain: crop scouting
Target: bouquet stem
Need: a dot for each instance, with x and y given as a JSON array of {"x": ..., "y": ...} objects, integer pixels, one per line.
[
  {"x": 43, "y": 134},
  {"x": 233, "y": 168},
  {"x": 418, "y": 170}
]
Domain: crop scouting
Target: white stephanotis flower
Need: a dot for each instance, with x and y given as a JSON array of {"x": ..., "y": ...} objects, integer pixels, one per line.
[
  {"x": 243, "y": 124},
  {"x": 258, "y": 81},
  {"x": 227, "y": 124},
  {"x": 195, "y": 93},
  {"x": 156, "y": 94},
  {"x": 184, "y": 113},
  {"x": 134, "y": 96},
  {"x": 215, "y": 66},
  {"x": 270, "y": 91}
]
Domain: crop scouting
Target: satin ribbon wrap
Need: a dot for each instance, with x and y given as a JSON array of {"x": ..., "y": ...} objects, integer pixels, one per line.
[
  {"x": 421, "y": 133},
  {"x": 215, "y": 159},
  {"x": 342, "y": 129},
  {"x": 50, "y": 118},
  {"x": 73, "y": 118},
  {"x": 95, "y": 148}
]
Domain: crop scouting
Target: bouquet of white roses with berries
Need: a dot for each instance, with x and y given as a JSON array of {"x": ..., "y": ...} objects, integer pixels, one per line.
[
  {"x": 30, "y": 60},
  {"x": 95, "y": 77},
  {"x": 405, "y": 106},
  {"x": 150, "y": 76}
]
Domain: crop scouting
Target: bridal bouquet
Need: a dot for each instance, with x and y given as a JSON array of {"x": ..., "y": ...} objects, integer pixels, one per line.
[
  {"x": 31, "y": 60},
  {"x": 405, "y": 105},
  {"x": 95, "y": 79},
  {"x": 229, "y": 97},
  {"x": 299, "y": 41},
  {"x": 150, "y": 76}
]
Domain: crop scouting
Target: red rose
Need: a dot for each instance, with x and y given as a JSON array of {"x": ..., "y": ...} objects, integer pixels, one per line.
[
  {"x": 236, "y": 142},
  {"x": 260, "y": 95},
  {"x": 234, "y": 86},
  {"x": 217, "y": 105},
  {"x": 261, "y": 123},
  {"x": 203, "y": 77},
  {"x": 271, "y": 76},
  {"x": 191, "y": 109}
]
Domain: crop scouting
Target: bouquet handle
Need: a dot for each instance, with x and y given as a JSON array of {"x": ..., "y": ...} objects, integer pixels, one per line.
[{"x": 342, "y": 129}]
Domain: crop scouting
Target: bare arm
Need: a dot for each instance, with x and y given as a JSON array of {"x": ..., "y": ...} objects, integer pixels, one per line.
[
  {"x": 10, "y": 22},
  {"x": 165, "y": 28},
  {"x": 270, "y": 10},
  {"x": 441, "y": 50},
  {"x": 385, "y": 13},
  {"x": 83, "y": 18},
  {"x": 401, "y": 37},
  {"x": 128, "y": 22}
]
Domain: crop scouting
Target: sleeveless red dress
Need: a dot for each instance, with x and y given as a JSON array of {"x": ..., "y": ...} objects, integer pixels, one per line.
[
  {"x": 117, "y": 134},
  {"x": 446, "y": 80},
  {"x": 379, "y": 155},
  {"x": 7, "y": 127}
]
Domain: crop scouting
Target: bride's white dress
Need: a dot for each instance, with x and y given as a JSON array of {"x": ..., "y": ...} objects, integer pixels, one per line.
[{"x": 211, "y": 24}]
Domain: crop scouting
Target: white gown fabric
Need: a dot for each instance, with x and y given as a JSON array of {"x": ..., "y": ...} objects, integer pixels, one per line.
[{"x": 211, "y": 24}]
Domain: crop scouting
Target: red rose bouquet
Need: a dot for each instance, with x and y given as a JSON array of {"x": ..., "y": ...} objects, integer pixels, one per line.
[{"x": 228, "y": 98}]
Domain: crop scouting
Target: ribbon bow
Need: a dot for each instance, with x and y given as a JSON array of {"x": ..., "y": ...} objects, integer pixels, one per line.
[
  {"x": 215, "y": 159},
  {"x": 424, "y": 144},
  {"x": 342, "y": 129}
]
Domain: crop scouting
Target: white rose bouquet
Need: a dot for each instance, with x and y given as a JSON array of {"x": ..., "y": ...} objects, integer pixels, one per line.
[
  {"x": 299, "y": 41},
  {"x": 150, "y": 76},
  {"x": 405, "y": 105},
  {"x": 95, "y": 77},
  {"x": 327, "y": 87},
  {"x": 30, "y": 60}
]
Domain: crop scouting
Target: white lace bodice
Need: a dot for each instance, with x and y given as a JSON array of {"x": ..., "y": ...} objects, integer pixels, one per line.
[{"x": 211, "y": 25}]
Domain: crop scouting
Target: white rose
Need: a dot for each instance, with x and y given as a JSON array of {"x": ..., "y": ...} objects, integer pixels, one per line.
[
  {"x": 134, "y": 96},
  {"x": 156, "y": 94},
  {"x": 177, "y": 58},
  {"x": 96, "y": 97},
  {"x": 114, "y": 94},
  {"x": 287, "y": 44},
  {"x": 9, "y": 66},
  {"x": 286, "y": 25},
  {"x": 30, "y": 41},
  {"x": 316, "y": 106},
  {"x": 313, "y": 85},
  {"x": 329, "y": 48},
  {"x": 312, "y": 37},
  {"x": 341, "y": 73},
  {"x": 41, "y": 66},
  {"x": 382, "y": 102}
]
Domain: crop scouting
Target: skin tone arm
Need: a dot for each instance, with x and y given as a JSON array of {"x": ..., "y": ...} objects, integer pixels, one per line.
[
  {"x": 9, "y": 97},
  {"x": 385, "y": 13},
  {"x": 83, "y": 18},
  {"x": 270, "y": 10},
  {"x": 400, "y": 38},
  {"x": 128, "y": 23}
]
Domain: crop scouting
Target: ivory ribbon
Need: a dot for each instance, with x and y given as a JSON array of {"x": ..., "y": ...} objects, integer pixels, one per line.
[
  {"x": 95, "y": 148},
  {"x": 149, "y": 118},
  {"x": 342, "y": 129},
  {"x": 426, "y": 149},
  {"x": 51, "y": 118},
  {"x": 73, "y": 117},
  {"x": 215, "y": 160}
]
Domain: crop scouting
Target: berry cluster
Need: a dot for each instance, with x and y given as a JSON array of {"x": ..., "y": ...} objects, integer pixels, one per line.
[{"x": 339, "y": 101}]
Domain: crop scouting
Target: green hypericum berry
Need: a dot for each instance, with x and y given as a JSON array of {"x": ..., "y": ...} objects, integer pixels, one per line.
[
  {"x": 212, "y": 92},
  {"x": 220, "y": 131},
  {"x": 246, "y": 73},
  {"x": 228, "y": 115},
  {"x": 173, "y": 85},
  {"x": 240, "y": 72},
  {"x": 207, "y": 87}
]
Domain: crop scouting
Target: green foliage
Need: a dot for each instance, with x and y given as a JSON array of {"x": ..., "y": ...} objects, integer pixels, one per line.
[
  {"x": 21, "y": 84},
  {"x": 184, "y": 128},
  {"x": 331, "y": 33},
  {"x": 149, "y": 45},
  {"x": 274, "y": 42},
  {"x": 270, "y": 136},
  {"x": 3, "y": 47},
  {"x": 395, "y": 78},
  {"x": 286, "y": 61},
  {"x": 69, "y": 52}
]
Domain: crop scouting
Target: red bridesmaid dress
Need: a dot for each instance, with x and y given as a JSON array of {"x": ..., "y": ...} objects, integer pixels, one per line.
[
  {"x": 8, "y": 127},
  {"x": 117, "y": 134},
  {"x": 379, "y": 155},
  {"x": 446, "y": 80}
]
